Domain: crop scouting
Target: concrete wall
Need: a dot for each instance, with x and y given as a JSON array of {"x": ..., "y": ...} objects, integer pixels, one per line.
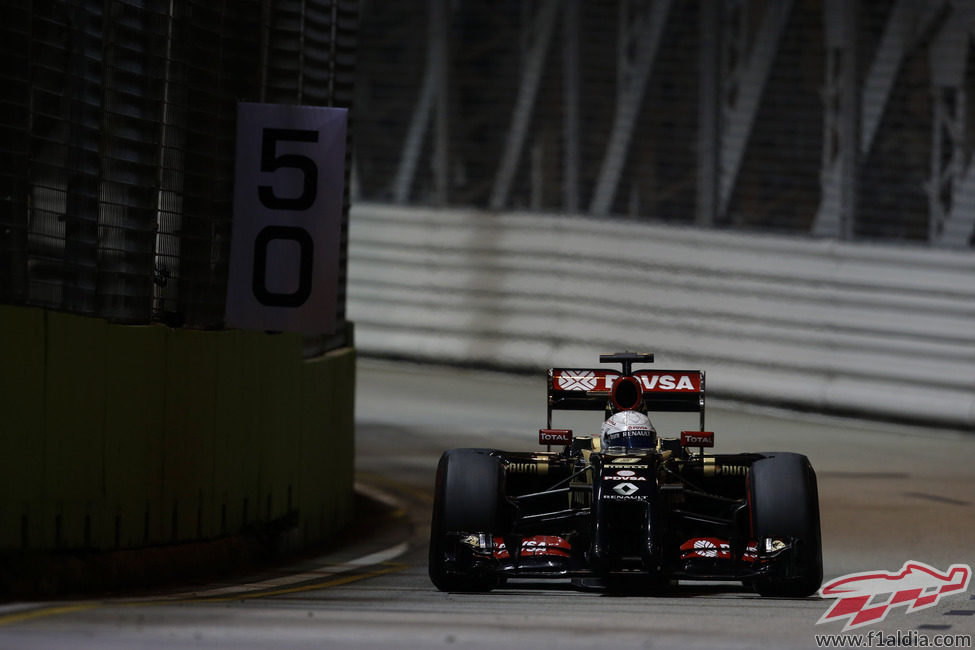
[
  {"x": 118, "y": 437},
  {"x": 878, "y": 331}
]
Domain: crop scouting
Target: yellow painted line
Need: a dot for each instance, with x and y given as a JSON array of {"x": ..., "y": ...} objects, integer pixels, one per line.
[
  {"x": 346, "y": 576},
  {"x": 334, "y": 582},
  {"x": 379, "y": 558},
  {"x": 417, "y": 493},
  {"x": 420, "y": 494},
  {"x": 44, "y": 612}
]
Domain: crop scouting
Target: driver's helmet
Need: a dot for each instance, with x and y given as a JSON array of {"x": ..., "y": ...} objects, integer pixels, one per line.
[{"x": 629, "y": 430}]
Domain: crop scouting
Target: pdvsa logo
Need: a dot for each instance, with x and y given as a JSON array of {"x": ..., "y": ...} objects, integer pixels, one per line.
[{"x": 866, "y": 598}]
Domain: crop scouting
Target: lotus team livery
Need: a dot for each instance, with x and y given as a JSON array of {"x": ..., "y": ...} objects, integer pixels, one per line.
[{"x": 624, "y": 506}]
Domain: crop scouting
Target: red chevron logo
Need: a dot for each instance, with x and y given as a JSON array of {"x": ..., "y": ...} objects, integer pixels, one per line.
[{"x": 866, "y": 598}]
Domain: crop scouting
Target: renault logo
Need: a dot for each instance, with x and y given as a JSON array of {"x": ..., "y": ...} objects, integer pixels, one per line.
[{"x": 625, "y": 489}]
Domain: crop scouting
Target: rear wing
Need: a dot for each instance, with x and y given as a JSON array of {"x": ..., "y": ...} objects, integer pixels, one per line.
[{"x": 572, "y": 389}]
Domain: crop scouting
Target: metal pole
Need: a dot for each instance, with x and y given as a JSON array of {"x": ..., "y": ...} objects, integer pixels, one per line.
[
  {"x": 440, "y": 63},
  {"x": 708, "y": 133},
  {"x": 570, "y": 125}
]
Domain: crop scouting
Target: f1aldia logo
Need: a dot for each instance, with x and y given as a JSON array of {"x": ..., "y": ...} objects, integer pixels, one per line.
[{"x": 866, "y": 598}]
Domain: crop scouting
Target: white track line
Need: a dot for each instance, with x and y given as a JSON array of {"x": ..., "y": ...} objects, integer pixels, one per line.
[
  {"x": 317, "y": 573},
  {"x": 323, "y": 571}
]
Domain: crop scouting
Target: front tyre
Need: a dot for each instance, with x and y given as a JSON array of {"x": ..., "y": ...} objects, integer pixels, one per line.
[
  {"x": 784, "y": 500},
  {"x": 465, "y": 501}
]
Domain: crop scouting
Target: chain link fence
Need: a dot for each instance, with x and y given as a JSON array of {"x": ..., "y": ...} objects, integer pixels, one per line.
[
  {"x": 117, "y": 143},
  {"x": 839, "y": 118}
]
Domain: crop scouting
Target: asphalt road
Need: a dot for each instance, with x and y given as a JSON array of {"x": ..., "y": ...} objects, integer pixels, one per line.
[{"x": 886, "y": 495}]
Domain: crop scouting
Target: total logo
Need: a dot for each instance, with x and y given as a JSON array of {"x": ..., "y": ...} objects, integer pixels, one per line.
[
  {"x": 554, "y": 436},
  {"x": 697, "y": 438}
]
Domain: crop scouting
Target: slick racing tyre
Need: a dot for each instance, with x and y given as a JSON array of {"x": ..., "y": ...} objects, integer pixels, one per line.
[
  {"x": 465, "y": 500},
  {"x": 784, "y": 502}
]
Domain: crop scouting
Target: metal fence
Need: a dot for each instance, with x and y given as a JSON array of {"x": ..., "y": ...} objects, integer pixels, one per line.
[
  {"x": 845, "y": 119},
  {"x": 117, "y": 142}
]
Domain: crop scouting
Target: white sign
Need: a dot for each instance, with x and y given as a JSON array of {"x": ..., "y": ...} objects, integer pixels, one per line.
[{"x": 284, "y": 255}]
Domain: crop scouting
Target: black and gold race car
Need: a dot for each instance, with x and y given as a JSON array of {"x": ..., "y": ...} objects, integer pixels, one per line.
[{"x": 627, "y": 509}]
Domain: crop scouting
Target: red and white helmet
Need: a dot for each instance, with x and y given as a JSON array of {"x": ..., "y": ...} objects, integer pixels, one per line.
[{"x": 629, "y": 430}]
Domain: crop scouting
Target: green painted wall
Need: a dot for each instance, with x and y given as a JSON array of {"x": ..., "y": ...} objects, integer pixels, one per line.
[{"x": 117, "y": 436}]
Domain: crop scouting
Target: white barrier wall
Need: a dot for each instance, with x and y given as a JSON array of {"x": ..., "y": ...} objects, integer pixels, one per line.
[{"x": 879, "y": 331}]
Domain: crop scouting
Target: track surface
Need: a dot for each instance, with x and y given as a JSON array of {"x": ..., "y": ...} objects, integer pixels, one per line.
[{"x": 887, "y": 496}]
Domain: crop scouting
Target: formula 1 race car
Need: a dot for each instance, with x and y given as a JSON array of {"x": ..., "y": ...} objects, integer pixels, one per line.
[{"x": 626, "y": 509}]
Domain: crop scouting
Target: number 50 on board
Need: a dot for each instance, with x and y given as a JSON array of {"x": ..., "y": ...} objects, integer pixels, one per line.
[{"x": 288, "y": 184}]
